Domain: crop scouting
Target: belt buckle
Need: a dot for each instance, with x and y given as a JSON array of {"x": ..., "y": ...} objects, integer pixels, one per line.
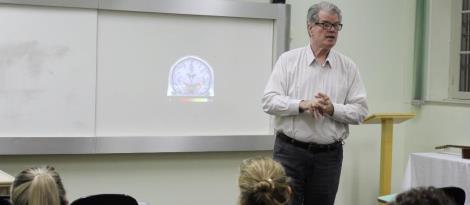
[{"x": 310, "y": 146}]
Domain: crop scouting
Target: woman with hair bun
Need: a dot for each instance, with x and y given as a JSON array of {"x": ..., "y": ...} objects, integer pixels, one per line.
[
  {"x": 38, "y": 186},
  {"x": 263, "y": 181}
]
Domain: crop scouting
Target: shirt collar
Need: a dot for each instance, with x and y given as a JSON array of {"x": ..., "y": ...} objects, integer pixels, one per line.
[{"x": 329, "y": 58}]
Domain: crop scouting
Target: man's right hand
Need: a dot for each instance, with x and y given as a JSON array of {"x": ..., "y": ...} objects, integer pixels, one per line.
[
  {"x": 311, "y": 107},
  {"x": 304, "y": 106}
]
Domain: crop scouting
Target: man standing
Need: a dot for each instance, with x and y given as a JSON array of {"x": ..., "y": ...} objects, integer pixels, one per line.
[{"x": 314, "y": 92}]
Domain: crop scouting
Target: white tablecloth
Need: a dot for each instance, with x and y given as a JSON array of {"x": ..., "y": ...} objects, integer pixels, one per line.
[{"x": 439, "y": 170}]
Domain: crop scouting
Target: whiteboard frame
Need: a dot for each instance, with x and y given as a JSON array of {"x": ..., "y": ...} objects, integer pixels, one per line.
[{"x": 279, "y": 13}]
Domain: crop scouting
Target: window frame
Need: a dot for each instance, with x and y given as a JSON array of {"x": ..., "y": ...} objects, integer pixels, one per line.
[{"x": 456, "y": 51}]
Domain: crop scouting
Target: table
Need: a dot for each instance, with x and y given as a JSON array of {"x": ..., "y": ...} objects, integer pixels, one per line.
[{"x": 438, "y": 170}]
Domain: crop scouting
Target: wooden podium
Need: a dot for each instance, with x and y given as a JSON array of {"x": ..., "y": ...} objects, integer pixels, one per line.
[{"x": 387, "y": 120}]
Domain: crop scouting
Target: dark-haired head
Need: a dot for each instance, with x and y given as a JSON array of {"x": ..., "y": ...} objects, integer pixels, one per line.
[{"x": 423, "y": 196}]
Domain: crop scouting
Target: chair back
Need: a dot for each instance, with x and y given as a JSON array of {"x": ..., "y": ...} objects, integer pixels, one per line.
[
  {"x": 5, "y": 200},
  {"x": 455, "y": 193},
  {"x": 106, "y": 199}
]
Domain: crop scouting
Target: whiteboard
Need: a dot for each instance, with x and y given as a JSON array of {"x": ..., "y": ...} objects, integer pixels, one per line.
[
  {"x": 92, "y": 76},
  {"x": 47, "y": 71}
]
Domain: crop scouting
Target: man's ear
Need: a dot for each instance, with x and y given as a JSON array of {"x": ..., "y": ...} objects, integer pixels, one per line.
[{"x": 309, "y": 27}]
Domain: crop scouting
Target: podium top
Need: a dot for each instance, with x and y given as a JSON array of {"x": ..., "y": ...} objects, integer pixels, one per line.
[{"x": 377, "y": 118}]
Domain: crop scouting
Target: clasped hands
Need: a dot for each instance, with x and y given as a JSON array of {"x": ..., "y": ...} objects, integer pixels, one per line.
[{"x": 320, "y": 106}]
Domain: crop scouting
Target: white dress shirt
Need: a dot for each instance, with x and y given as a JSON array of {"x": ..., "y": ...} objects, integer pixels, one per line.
[{"x": 297, "y": 76}]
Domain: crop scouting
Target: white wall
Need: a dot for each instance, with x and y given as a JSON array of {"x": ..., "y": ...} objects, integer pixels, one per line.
[
  {"x": 442, "y": 120},
  {"x": 439, "y": 124},
  {"x": 378, "y": 35},
  {"x": 438, "y": 50}
]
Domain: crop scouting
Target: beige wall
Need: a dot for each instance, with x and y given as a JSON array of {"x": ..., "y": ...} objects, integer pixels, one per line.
[
  {"x": 378, "y": 35},
  {"x": 186, "y": 178}
]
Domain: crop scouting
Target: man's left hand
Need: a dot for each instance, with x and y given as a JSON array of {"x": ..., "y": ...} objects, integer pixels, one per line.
[{"x": 324, "y": 104}]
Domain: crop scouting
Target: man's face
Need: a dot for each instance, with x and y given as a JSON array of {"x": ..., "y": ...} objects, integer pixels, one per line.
[{"x": 321, "y": 36}]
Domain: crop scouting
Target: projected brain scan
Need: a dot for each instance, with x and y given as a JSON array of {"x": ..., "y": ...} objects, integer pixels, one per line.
[{"x": 191, "y": 76}]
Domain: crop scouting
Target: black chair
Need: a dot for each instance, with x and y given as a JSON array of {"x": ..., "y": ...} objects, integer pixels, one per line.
[
  {"x": 455, "y": 193},
  {"x": 105, "y": 199},
  {"x": 5, "y": 200}
]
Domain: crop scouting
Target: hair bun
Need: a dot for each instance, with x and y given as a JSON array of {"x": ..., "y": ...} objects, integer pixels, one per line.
[{"x": 264, "y": 186}]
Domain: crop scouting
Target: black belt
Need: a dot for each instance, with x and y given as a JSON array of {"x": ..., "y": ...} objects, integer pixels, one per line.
[{"x": 314, "y": 147}]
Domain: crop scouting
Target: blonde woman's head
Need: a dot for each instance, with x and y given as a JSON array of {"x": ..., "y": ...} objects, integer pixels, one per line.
[
  {"x": 263, "y": 181},
  {"x": 38, "y": 186}
]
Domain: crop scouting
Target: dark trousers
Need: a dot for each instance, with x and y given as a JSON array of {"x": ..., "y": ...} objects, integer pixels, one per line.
[{"x": 314, "y": 175}]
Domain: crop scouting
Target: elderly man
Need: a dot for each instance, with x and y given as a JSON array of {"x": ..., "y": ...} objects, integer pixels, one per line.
[{"x": 314, "y": 92}]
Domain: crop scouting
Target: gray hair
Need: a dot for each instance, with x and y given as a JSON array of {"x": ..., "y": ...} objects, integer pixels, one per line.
[{"x": 312, "y": 15}]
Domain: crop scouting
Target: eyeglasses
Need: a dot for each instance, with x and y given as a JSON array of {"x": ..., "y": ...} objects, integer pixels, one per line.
[{"x": 328, "y": 26}]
